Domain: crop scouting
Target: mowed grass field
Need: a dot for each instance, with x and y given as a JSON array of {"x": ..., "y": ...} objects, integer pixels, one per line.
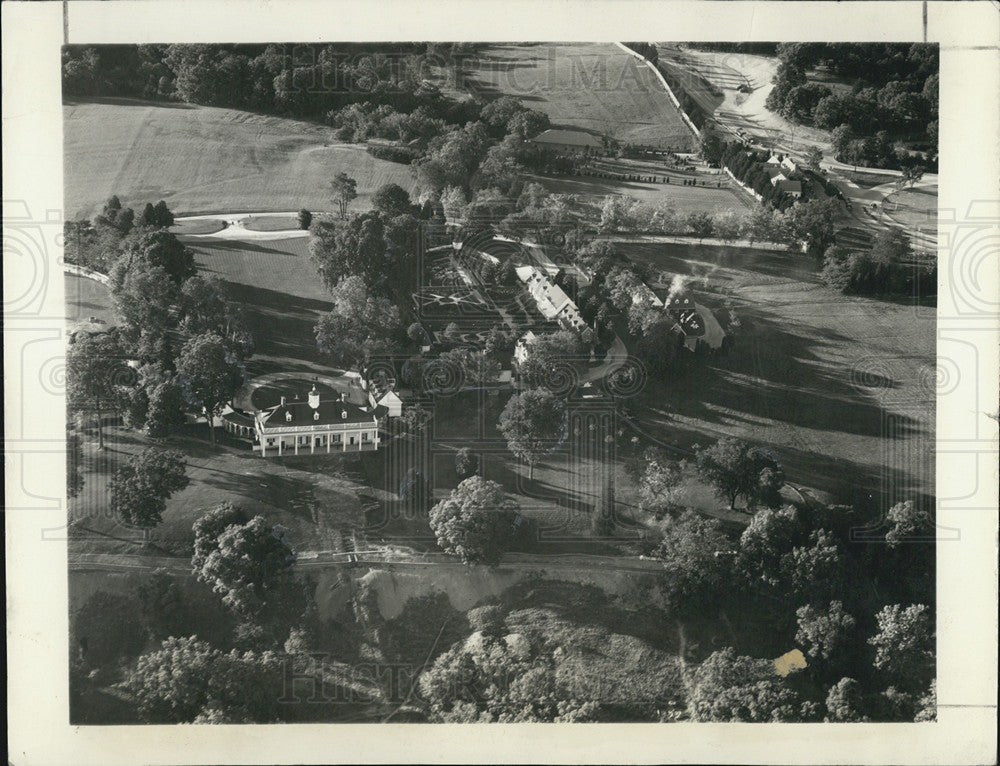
[
  {"x": 840, "y": 389},
  {"x": 595, "y": 87},
  {"x": 208, "y": 160}
]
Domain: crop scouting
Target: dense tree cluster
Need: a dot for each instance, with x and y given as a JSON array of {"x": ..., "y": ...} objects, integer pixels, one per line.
[
  {"x": 894, "y": 93},
  {"x": 888, "y": 267}
]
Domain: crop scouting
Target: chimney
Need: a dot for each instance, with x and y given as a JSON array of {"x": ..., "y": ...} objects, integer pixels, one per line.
[
  {"x": 314, "y": 398},
  {"x": 282, "y": 401}
]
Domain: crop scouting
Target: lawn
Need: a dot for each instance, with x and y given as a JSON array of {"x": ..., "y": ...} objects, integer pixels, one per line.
[
  {"x": 913, "y": 208},
  {"x": 708, "y": 196},
  {"x": 198, "y": 226},
  {"x": 595, "y": 87},
  {"x": 840, "y": 389},
  {"x": 276, "y": 285},
  {"x": 315, "y": 497},
  {"x": 271, "y": 223},
  {"x": 207, "y": 160},
  {"x": 87, "y": 298}
]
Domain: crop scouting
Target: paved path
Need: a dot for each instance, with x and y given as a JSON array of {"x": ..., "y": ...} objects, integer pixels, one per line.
[{"x": 319, "y": 560}]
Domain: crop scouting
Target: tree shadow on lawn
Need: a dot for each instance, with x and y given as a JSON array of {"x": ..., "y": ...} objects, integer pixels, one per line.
[
  {"x": 687, "y": 259},
  {"x": 205, "y": 248},
  {"x": 282, "y": 325},
  {"x": 774, "y": 374}
]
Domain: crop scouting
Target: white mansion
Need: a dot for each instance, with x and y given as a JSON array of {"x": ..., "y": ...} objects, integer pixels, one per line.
[{"x": 315, "y": 425}]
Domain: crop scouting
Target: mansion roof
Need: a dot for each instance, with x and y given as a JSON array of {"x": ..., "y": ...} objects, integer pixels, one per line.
[{"x": 304, "y": 416}]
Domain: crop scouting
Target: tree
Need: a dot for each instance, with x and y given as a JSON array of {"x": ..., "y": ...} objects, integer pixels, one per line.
[
  {"x": 345, "y": 190},
  {"x": 415, "y": 419},
  {"x": 105, "y": 629},
  {"x": 74, "y": 464},
  {"x": 355, "y": 247},
  {"x": 115, "y": 216},
  {"x": 145, "y": 302},
  {"x": 466, "y": 463},
  {"x": 95, "y": 369},
  {"x": 210, "y": 526},
  {"x": 304, "y": 219},
  {"x": 694, "y": 551},
  {"x": 727, "y": 687},
  {"x": 814, "y": 157},
  {"x": 769, "y": 536},
  {"x": 490, "y": 680},
  {"x": 812, "y": 222},
  {"x": 415, "y": 489},
  {"x": 477, "y": 521},
  {"x": 209, "y": 375},
  {"x": 162, "y": 606},
  {"x": 391, "y": 200},
  {"x": 700, "y": 224},
  {"x": 824, "y": 634},
  {"x": 205, "y": 307},
  {"x": 249, "y": 566},
  {"x": 534, "y": 424},
  {"x": 658, "y": 482},
  {"x": 843, "y": 137},
  {"x": 187, "y": 680},
  {"x": 157, "y": 247},
  {"x": 908, "y": 523},
  {"x": 815, "y": 572},
  {"x": 161, "y": 215},
  {"x": 735, "y": 469},
  {"x": 141, "y": 486},
  {"x": 712, "y": 147},
  {"x": 166, "y": 408},
  {"x": 845, "y": 702},
  {"x": 475, "y": 368},
  {"x": 360, "y": 326},
  {"x": 550, "y": 359},
  {"x": 904, "y": 645}
]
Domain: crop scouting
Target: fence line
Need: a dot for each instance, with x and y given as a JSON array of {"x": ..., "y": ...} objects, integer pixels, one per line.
[{"x": 663, "y": 82}]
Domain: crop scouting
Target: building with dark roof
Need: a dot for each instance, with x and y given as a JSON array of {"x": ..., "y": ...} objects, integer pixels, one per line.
[
  {"x": 568, "y": 141},
  {"x": 328, "y": 425}
]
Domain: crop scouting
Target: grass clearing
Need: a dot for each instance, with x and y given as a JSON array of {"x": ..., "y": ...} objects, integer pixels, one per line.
[
  {"x": 595, "y": 87},
  {"x": 207, "y": 159},
  {"x": 275, "y": 284},
  {"x": 87, "y": 298},
  {"x": 198, "y": 226},
  {"x": 271, "y": 223}
]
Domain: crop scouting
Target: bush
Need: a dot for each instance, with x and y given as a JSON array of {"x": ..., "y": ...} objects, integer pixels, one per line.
[
  {"x": 402, "y": 154},
  {"x": 305, "y": 219}
]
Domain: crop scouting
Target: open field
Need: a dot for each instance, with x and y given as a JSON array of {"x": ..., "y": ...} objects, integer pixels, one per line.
[
  {"x": 595, "y": 87},
  {"x": 841, "y": 389},
  {"x": 206, "y": 159}
]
